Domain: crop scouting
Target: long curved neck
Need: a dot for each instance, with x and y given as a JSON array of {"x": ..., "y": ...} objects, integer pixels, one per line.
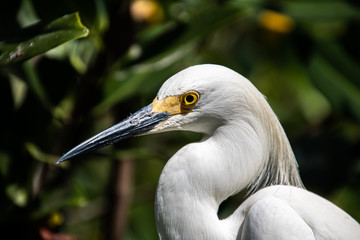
[
  {"x": 197, "y": 179},
  {"x": 201, "y": 175}
]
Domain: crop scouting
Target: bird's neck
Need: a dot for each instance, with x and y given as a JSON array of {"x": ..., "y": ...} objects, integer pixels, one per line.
[
  {"x": 193, "y": 184},
  {"x": 201, "y": 175}
]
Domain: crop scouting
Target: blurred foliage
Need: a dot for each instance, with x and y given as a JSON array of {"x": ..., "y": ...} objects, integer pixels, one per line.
[
  {"x": 30, "y": 43},
  {"x": 303, "y": 55}
]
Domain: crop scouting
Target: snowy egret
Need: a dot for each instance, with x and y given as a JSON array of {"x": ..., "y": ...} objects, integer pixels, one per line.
[{"x": 244, "y": 147}]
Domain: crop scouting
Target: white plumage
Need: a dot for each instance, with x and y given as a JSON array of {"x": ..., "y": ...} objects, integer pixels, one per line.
[{"x": 244, "y": 147}]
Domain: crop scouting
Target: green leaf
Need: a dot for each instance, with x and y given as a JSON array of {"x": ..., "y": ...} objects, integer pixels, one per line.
[
  {"x": 204, "y": 22},
  {"x": 39, "y": 155},
  {"x": 320, "y": 10},
  {"x": 342, "y": 93},
  {"x": 17, "y": 194},
  {"x": 154, "y": 66},
  {"x": 39, "y": 38}
]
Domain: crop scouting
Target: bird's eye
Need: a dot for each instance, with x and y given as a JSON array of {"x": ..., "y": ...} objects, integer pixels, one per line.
[{"x": 189, "y": 99}]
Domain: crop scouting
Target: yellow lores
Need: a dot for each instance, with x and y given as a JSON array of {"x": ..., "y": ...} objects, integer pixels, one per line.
[{"x": 176, "y": 104}]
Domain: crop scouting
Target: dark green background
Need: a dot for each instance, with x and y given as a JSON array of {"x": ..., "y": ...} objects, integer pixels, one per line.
[{"x": 50, "y": 103}]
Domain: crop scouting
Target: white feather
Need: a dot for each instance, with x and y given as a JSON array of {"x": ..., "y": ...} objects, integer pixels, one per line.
[{"x": 244, "y": 146}]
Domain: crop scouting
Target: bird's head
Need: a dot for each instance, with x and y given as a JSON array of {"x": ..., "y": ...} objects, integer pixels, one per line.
[{"x": 199, "y": 99}]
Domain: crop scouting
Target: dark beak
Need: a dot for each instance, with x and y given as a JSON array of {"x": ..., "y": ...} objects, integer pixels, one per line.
[{"x": 140, "y": 122}]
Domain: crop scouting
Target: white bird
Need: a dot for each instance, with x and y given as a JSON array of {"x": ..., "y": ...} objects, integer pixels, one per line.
[{"x": 244, "y": 147}]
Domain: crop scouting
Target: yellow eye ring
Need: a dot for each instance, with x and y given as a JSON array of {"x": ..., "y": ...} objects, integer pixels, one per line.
[{"x": 189, "y": 99}]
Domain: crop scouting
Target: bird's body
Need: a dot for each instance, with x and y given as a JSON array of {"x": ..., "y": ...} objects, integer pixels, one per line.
[
  {"x": 275, "y": 212},
  {"x": 287, "y": 212},
  {"x": 244, "y": 147}
]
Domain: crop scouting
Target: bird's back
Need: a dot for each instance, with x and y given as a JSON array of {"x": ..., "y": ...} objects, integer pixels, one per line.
[{"x": 286, "y": 212}]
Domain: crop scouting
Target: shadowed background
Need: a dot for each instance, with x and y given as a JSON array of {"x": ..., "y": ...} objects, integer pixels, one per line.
[{"x": 304, "y": 56}]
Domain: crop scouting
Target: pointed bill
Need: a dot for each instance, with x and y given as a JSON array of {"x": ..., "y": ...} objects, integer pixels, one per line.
[{"x": 140, "y": 122}]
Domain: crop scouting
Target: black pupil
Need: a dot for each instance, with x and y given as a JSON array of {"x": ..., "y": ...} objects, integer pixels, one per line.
[{"x": 190, "y": 98}]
